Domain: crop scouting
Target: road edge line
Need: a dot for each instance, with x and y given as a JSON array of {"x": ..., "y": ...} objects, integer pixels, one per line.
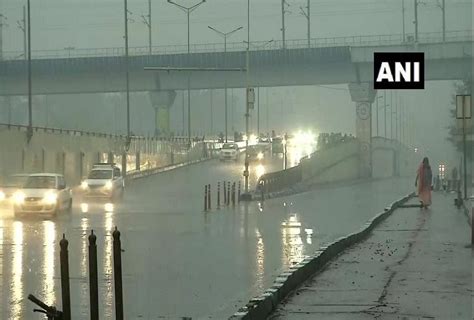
[{"x": 263, "y": 306}]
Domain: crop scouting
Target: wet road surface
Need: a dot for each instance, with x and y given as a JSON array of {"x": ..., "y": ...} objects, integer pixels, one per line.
[{"x": 179, "y": 261}]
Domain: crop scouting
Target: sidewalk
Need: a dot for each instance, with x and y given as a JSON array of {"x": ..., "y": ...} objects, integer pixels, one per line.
[{"x": 414, "y": 266}]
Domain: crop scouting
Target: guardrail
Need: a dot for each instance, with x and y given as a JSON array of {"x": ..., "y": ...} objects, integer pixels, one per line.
[{"x": 360, "y": 40}]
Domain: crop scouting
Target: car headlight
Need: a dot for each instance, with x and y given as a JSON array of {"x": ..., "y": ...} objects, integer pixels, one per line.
[
  {"x": 84, "y": 185},
  {"x": 260, "y": 156},
  {"x": 2, "y": 195},
  {"x": 50, "y": 198},
  {"x": 18, "y": 197},
  {"x": 108, "y": 185}
]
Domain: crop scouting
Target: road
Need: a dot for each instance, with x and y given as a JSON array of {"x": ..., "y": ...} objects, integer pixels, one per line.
[{"x": 179, "y": 261}]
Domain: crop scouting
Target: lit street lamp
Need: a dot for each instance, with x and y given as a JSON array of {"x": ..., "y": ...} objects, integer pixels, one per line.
[
  {"x": 225, "y": 35},
  {"x": 188, "y": 11}
]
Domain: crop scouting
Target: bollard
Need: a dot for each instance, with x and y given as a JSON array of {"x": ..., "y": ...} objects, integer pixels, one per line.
[
  {"x": 228, "y": 192},
  {"x": 262, "y": 195},
  {"x": 93, "y": 282},
  {"x": 209, "y": 196},
  {"x": 233, "y": 194},
  {"x": 238, "y": 194},
  {"x": 218, "y": 195},
  {"x": 118, "y": 275},
  {"x": 225, "y": 194},
  {"x": 205, "y": 197},
  {"x": 65, "y": 290}
]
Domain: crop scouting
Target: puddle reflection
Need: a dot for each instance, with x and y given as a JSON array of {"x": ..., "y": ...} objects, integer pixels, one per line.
[
  {"x": 48, "y": 262},
  {"x": 108, "y": 224},
  {"x": 84, "y": 261},
  {"x": 260, "y": 262},
  {"x": 17, "y": 271},
  {"x": 291, "y": 240}
]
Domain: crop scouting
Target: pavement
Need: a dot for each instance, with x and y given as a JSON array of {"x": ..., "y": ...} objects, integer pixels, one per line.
[{"x": 415, "y": 265}]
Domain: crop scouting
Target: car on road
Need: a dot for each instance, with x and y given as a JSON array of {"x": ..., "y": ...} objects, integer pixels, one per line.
[
  {"x": 255, "y": 153},
  {"x": 104, "y": 181},
  {"x": 8, "y": 186},
  {"x": 42, "y": 194},
  {"x": 229, "y": 151}
]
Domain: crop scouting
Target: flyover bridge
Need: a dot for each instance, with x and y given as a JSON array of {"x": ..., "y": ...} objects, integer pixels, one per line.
[{"x": 327, "y": 61}]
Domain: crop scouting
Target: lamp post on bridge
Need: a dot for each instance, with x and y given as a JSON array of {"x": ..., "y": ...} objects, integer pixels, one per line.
[
  {"x": 225, "y": 35},
  {"x": 188, "y": 11},
  {"x": 307, "y": 14},
  {"x": 29, "y": 133},
  {"x": 259, "y": 46},
  {"x": 127, "y": 75},
  {"x": 146, "y": 19}
]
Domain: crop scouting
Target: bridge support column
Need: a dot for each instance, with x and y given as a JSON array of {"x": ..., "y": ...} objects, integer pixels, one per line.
[
  {"x": 363, "y": 95},
  {"x": 162, "y": 102}
]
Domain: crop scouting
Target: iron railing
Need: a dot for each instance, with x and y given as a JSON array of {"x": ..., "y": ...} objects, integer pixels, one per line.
[{"x": 361, "y": 40}]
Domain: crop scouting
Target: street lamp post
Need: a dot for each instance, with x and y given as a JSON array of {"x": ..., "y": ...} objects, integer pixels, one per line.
[
  {"x": 225, "y": 35},
  {"x": 127, "y": 76},
  {"x": 261, "y": 46},
  {"x": 307, "y": 14},
  {"x": 247, "y": 107},
  {"x": 29, "y": 133},
  {"x": 147, "y": 21},
  {"x": 188, "y": 11}
]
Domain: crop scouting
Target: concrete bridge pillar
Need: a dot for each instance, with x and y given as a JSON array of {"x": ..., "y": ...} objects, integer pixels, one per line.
[
  {"x": 162, "y": 102},
  {"x": 363, "y": 95}
]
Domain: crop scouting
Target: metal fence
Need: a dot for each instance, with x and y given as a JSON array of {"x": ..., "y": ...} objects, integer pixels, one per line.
[{"x": 361, "y": 40}]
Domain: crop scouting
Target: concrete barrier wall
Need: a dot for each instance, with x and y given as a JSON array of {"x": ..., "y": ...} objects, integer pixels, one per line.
[
  {"x": 338, "y": 163},
  {"x": 73, "y": 155},
  {"x": 341, "y": 162},
  {"x": 390, "y": 158}
]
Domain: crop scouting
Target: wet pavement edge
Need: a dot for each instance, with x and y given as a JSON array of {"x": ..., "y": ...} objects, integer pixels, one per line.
[{"x": 262, "y": 306}]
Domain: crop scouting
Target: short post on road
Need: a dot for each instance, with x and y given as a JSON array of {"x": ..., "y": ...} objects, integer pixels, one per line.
[
  {"x": 233, "y": 194},
  {"x": 225, "y": 193},
  {"x": 117, "y": 249},
  {"x": 93, "y": 278},
  {"x": 238, "y": 194},
  {"x": 205, "y": 197},
  {"x": 209, "y": 196},
  {"x": 218, "y": 195},
  {"x": 65, "y": 289}
]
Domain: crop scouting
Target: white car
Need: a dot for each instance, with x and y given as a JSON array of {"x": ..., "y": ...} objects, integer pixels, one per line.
[
  {"x": 42, "y": 194},
  {"x": 104, "y": 181},
  {"x": 8, "y": 186},
  {"x": 229, "y": 151}
]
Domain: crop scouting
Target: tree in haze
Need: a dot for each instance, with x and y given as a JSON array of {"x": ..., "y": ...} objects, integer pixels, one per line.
[{"x": 455, "y": 137}]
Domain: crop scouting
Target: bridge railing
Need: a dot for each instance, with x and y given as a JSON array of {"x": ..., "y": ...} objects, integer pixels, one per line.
[
  {"x": 83, "y": 133},
  {"x": 361, "y": 40}
]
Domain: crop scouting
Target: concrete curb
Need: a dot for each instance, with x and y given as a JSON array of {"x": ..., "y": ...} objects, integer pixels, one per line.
[{"x": 262, "y": 306}]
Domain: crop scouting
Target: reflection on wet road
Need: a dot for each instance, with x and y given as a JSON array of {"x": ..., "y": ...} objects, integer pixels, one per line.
[{"x": 177, "y": 260}]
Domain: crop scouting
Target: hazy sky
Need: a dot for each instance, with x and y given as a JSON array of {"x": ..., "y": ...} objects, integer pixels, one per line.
[{"x": 99, "y": 23}]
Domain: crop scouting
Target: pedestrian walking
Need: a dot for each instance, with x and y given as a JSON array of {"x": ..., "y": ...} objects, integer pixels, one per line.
[{"x": 423, "y": 181}]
